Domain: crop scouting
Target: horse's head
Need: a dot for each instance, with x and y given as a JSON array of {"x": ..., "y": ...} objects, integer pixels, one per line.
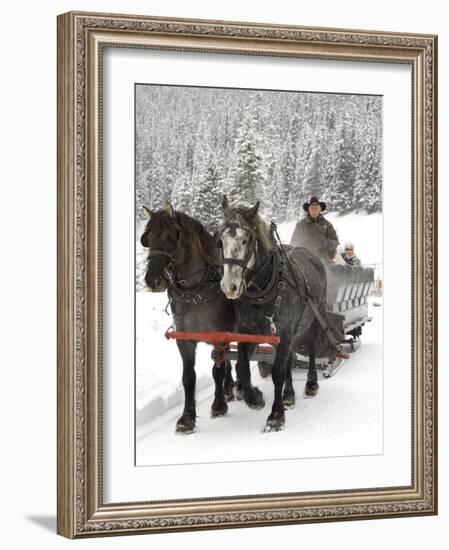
[
  {"x": 162, "y": 236},
  {"x": 239, "y": 236}
]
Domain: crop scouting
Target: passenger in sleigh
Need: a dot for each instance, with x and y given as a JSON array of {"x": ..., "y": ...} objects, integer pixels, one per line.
[
  {"x": 348, "y": 255},
  {"x": 315, "y": 232}
]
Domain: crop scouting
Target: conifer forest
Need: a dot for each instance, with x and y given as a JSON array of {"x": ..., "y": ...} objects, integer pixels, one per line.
[{"x": 280, "y": 147}]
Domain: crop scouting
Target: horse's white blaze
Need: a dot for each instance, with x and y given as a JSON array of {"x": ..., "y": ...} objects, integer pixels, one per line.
[{"x": 235, "y": 245}]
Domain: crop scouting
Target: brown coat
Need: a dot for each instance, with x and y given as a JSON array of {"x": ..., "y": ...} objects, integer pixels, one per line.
[{"x": 317, "y": 235}]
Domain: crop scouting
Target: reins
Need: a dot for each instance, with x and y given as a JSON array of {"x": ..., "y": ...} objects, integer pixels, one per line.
[{"x": 310, "y": 299}]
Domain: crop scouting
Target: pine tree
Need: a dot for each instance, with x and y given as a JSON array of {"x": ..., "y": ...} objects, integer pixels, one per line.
[
  {"x": 340, "y": 194},
  {"x": 288, "y": 192},
  {"x": 182, "y": 195},
  {"x": 368, "y": 184},
  {"x": 247, "y": 174},
  {"x": 208, "y": 199},
  {"x": 313, "y": 181}
]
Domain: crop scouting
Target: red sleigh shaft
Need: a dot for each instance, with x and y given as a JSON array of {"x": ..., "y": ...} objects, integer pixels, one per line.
[{"x": 215, "y": 337}]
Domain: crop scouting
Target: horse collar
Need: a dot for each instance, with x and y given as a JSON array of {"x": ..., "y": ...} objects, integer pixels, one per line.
[{"x": 272, "y": 288}]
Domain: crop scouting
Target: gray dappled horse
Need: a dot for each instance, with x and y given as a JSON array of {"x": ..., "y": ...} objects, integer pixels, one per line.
[{"x": 271, "y": 294}]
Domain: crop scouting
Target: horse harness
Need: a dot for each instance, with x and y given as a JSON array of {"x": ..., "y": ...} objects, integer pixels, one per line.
[
  {"x": 271, "y": 293},
  {"x": 309, "y": 298},
  {"x": 264, "y": 296},
  {"x": 264, "y": 293},
  {"x": 205, "y": 291}
]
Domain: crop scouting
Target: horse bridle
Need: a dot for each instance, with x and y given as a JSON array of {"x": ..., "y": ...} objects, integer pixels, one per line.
[
  {"x": 171, "y": 259},
  {"x": 167, "y": 268},
  {"x": 250, "y": 250}
]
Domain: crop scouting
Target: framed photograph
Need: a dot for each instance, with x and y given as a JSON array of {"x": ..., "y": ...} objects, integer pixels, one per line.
[{"x": 246, "y": 274}]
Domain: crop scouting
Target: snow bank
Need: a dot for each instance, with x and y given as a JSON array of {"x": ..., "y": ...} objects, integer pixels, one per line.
[{"x": 158, "y": 362}]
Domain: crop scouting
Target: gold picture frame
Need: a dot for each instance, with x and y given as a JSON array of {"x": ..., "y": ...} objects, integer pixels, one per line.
[{"x": 81, "y": 39}]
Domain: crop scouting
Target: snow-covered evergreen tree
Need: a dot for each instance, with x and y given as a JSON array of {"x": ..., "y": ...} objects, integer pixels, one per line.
[
  {"x": 368, "y": 184},
  {"x": 313, "y": 184},
  {"x": 208, "y": 200},
  {"x": 340, "y": 195},
  {"x": 247, "y": 174},
  {"x": 182, "y": 195}
]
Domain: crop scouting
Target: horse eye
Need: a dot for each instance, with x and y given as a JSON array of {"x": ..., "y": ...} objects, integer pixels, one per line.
[{"x": 244, "y": 241}]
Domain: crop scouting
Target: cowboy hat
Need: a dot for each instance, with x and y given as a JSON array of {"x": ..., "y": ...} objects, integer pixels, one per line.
[{"x": 314, "y": 200}]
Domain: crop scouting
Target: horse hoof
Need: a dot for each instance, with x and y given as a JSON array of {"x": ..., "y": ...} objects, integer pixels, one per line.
[
  {"x": 289, "y": 401},
  {"x": 311, "y": 390},
  {"x": 218, "y": 410},
  {"x": 269, "y": 428},
  {"x": 184, "y": 430},
  {"x": 229, "y": 395},
  {"x": 185, "y": 425},
  {"x": 275, "y": 423},
  {"x": 254, "y": 398},
  {"x": 238, "y": 392},
  {"x": 264, "y": 369}
]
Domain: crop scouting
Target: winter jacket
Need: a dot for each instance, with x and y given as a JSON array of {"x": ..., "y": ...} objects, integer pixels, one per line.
[
  {"x": 317, "y": 235},
  {"x": 351, "y": 260}
]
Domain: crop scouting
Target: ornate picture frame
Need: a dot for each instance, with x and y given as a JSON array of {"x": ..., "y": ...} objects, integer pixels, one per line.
[{"x": 82, "y": 39}]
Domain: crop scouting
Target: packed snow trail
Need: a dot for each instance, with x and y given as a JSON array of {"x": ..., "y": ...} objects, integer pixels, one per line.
[{"x": 345, "y": 419}]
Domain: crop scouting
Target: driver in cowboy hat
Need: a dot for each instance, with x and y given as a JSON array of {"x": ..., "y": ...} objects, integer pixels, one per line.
[{"x": 315, "y": 232}]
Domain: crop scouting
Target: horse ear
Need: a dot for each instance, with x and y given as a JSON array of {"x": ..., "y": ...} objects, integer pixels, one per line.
[
  {"x": 169, "y": 209},
  {"x": 225, "y": 204},
  {"x": 252, "y": 212},
  {"x": 147, "y": 212}
]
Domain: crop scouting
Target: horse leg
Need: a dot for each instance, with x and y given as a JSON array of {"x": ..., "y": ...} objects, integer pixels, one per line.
[
  {"x": 239, "y": 367},
  {"x": 186, "y": 422},
  {"x": 312, "y": 385},
  {"x": 219, "y": 406},
  {"x": 276, "y": 419},
  {"x": 228, "y": 382},
  {"x": 288, "y": 397},
  {"x": 252, "y": 396}
]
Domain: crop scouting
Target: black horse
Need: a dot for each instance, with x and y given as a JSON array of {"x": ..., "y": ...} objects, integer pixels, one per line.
[
  {"x": 275, "y": 291},
  {"x": 182, "y": 260}
]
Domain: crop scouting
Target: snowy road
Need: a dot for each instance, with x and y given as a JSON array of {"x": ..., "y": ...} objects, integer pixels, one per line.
[{"x": 345, "y": 419}]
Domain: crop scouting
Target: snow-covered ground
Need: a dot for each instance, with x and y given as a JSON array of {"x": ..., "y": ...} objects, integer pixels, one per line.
[
  {"x": 158, "y": 363},
  {"x": 344, "y": 419}
]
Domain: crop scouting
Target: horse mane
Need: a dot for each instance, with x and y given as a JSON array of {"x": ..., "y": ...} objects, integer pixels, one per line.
[
  {"x": 198, "y": 241},
  {"x": 260, "y": 226},
  {"x": 263, "y": 233}
]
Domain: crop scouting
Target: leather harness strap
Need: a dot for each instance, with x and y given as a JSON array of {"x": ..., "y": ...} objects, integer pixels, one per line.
[
  {"x": 310, "y": 299},
  {"x": 205, "y": 291}
]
